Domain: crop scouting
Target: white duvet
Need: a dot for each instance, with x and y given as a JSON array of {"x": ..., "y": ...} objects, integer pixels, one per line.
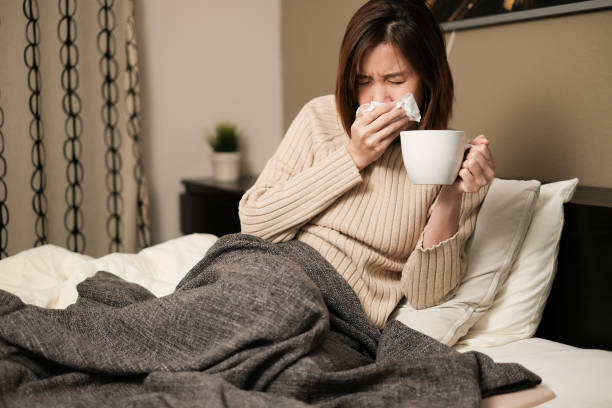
[{"x": 47, "y": 276}]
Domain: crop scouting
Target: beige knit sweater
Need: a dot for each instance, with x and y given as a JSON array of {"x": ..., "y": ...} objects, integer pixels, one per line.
[{"x": 367, "y": 224}]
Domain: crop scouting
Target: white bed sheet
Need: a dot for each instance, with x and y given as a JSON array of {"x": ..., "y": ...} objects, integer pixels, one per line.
[
  {"x": 578, "y": 377},
  {"x": 47, "y": 276}
]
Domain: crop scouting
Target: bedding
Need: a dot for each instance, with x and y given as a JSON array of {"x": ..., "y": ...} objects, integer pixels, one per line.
[
  {"x": 249, "y": 317},
  {"x": 47, "y": 277},
  {"x": 579, "y": 377}
]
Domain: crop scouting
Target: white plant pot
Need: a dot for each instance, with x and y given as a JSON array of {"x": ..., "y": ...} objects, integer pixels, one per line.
[{"x": 226, "y": 166}]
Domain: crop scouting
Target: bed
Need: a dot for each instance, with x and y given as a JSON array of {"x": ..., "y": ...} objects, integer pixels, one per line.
[{"x": 551, "y": 317}]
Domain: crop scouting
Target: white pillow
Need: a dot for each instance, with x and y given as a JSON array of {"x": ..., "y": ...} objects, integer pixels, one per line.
[
  {"x": 519, "y": 305},
  {"x": 501, "y": 225}
]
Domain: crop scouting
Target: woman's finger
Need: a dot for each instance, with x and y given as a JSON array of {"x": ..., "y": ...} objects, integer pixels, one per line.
[
  {"x": 475, "y": 170},
  {"x": 467, "y": 183},
  {"x": 482, "y": 142},
  {"x": 393, "y": 129},
  {"x": 483, "y": 149},
  {"x": 474, "y": 167},
  {"x": 367, "y": 118},
  {"x": 480, "y": 139},
  {"x": 385, "y": 119},
  {"x": 485, "y": 165},
  {"x": 390, "y": 132}
]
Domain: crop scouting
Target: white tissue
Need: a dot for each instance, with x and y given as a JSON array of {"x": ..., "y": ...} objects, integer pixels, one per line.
[{"x": 406, "y": 102}]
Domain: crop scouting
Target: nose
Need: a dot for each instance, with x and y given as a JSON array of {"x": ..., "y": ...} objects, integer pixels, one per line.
[{"x": 380, "y": 93}]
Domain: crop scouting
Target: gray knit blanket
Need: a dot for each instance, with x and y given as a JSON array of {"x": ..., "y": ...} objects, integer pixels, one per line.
[{"x": 253, "y": 324}]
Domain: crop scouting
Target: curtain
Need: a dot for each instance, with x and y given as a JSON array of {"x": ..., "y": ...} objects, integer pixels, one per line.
[{"x": 71, "y": 167}]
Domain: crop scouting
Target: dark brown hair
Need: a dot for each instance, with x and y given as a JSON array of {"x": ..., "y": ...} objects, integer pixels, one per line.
[{"x": 411, "y": 28}]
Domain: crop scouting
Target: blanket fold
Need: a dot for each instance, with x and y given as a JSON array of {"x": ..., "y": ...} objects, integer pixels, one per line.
[{"x": 252, "y": 324}]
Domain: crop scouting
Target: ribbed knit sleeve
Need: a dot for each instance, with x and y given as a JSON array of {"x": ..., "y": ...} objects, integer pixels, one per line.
[
  {"x": 431, "y": 276},
  {"x": 303, "y": 177}
]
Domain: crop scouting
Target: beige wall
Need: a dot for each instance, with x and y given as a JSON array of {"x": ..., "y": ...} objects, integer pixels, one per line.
[
  {"x": 541, "y": 90},
  {"x": 312, "y": 31},
  {"x": 205, "y": 61}
]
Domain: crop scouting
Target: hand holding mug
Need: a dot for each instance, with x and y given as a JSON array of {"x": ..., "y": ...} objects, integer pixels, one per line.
[
  {"x": 478, "y": 168},
  {"x": 373, "y": 132},
  {"x": 440, "y": 157}
]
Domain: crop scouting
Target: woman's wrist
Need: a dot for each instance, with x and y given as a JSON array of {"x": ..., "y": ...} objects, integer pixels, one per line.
[
  {"x": 450, "y": 196},
  {"x": 444, "y": 220},
  {"x": 356, "y": 159},
  {"x": 451, "y": 191}
]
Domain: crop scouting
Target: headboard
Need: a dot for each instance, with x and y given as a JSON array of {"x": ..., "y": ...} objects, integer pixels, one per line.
[{"x": 579, "y": 309}]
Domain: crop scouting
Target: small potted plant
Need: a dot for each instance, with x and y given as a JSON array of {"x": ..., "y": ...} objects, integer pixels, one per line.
[{"x": 226, "y": 155}]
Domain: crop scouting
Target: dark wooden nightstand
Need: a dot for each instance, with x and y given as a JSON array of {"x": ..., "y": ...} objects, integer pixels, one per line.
[{"x": 210, "y": 206}]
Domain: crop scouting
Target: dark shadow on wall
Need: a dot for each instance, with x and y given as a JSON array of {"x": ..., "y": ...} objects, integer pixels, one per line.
[{"x": 145, "y": 109}]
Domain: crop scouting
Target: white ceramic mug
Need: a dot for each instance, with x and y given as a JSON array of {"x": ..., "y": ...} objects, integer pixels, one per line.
[{"x": 433, "y": 156}]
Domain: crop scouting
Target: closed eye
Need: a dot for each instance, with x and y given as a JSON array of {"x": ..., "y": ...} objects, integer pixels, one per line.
[{"x": 363, "y": 79}]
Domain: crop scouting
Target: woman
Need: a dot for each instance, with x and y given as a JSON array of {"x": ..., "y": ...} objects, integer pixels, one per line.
[
  {"x": 271, "y": 324},
  {"x": 337, "y": 181}
]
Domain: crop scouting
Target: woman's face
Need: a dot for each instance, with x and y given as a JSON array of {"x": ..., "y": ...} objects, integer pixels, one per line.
[{"x": 384, "y": 75}]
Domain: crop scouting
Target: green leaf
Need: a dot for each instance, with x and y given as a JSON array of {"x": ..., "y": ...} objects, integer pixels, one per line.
[{"x": 225, "y": 138}]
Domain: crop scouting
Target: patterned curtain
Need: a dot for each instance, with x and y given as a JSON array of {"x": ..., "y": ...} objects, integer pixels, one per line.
[{"x": 71, "y": 169}]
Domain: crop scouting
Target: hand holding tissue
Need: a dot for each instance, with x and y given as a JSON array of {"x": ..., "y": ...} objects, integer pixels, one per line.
[{"x": 406, "y": 102}]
